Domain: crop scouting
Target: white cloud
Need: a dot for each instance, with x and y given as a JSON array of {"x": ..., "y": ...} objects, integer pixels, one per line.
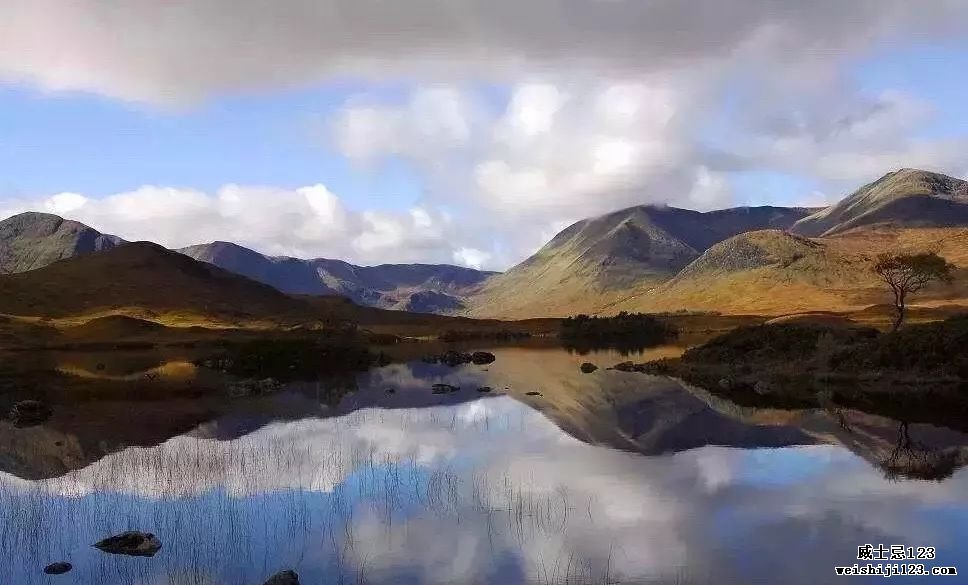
[{"x": 306, "y": 222}]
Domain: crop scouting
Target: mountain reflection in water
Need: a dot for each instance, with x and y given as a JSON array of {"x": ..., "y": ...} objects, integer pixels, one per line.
[{"x": 607, "y": 477}]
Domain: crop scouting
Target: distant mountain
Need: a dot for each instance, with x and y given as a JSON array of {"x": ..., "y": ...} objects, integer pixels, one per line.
[
  {"x": 144, "y": 280},
  {"x": 425, "y": 288},
  {"x": 34, "y": 240},
  {"x": 600, "y": 260},
  {"x": 904, "y": 198}
]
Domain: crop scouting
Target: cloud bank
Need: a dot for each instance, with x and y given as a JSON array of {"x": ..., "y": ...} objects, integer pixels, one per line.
[
  {"x": 600, "y": 104},
  {"x": 183, "y": 51}
]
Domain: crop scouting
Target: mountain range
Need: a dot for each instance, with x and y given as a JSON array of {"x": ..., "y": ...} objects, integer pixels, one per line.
[
  {"x": 421, "y": 288},
  {"x": 757, "y": 260},
  {"x": 31, "y": 240}
]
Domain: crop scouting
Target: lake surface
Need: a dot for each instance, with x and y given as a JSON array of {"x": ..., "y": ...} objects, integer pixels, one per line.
[{"x": 607, "y": 477}]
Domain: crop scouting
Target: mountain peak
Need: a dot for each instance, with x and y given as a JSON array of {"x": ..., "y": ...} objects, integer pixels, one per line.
[
  {"x": 906, "y": 198},
  {"x": 34, "y": 239}
]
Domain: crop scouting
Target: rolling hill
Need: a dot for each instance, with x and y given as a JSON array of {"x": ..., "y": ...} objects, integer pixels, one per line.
[
  {"x": 34, "y": 240},
  {"x": 142, "y": 279},
  {"x": 423, "y": 288},
  {"x": 904, "y": 198},
  {"x": 601, "y": 260}
]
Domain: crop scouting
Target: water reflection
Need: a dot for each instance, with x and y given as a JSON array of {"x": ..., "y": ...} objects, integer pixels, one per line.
[{"x": 606, "y": 477}]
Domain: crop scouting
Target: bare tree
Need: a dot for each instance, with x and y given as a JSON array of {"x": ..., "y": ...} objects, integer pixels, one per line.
[{"x": 909, "y": 273}]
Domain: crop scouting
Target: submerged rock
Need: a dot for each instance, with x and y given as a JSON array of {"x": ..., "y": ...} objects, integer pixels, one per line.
[
  {"x": 283, "y": 578},
  {"x": 28, "y": 413},
  {"x": 625, "y": 367},
  {"x": 482, "y": 357},
  {"x": 484, "y": 389},
  {"x": 444, "y": 388},
  {"x": 588, "y": 368},
  {"x": 58, "y": 568},
  {"x": 133, "y": 543}
]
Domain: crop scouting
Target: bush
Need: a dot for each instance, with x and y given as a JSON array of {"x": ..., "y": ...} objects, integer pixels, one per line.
[{"x": 624, "y": 327}]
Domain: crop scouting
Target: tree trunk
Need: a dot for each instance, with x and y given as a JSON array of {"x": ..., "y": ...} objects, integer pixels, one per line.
[{"x": 899, "y": 305}]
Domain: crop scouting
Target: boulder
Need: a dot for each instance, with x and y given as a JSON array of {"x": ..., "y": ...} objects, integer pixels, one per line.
[
  {"x": 484, "y": 389},
  {"x": 482, "y": 357},
  {"x": 588, "y": 368},
  {"x": 28, "y": 413},
  {"x": 444, "y": 388},
  {"x": 283, "y": 578},
  {"x": 58, "y": 568},
  {"x": 133, "y": 543},
  {"x": 625, "y": 367}
]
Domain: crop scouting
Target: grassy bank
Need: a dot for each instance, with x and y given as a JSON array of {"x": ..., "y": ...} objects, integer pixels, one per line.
[{"x": 917, "y": 373}]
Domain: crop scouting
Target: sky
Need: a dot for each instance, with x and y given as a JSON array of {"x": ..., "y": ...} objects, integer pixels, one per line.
[{"x": 461, "y": 131}]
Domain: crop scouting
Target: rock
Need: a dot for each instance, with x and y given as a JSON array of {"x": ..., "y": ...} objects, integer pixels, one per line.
[
  {"x": 283, "y": 578},
  {"x": 444, "y": 388},
  {"x": 532, "y": 393},
  {"x": 725, "y": 383},
  {"x": 588, "y": 368},
  {"x": 484, "y": 389},
  {"x": 625, "y": 367},
  {"x": 391, "y": 390},
  {"x": 58, "y": 568},
  {"x": 136, "y": 544},
  {"x": 100, "y": 367},
  {"x": 28, "y": 413},
  {"x": 482, "y": 357}
]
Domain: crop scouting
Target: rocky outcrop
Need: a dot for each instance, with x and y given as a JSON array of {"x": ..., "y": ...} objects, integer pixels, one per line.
[{"x": 133, "y": 543}]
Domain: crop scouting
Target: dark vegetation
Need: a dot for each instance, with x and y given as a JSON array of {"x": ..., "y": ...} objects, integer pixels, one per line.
[
  {"x": 625, "y": 331},
  {"x": 292, "y": 359},
  {"x": 918, "y": 373},
  {"x": 452, "y": 335}
]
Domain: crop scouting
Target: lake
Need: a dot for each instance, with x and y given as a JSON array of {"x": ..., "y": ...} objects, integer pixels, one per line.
[{"x": 607, "y": 477}]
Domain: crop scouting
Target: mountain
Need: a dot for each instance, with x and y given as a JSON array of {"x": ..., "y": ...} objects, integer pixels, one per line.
[
  {"x": 426, "y": 288},
  {"x": 34, "y": 240},
  {"x": 602, "y": 259},
  {"x": 904, "y": 198},
  {"x": 142, "y": 279},
  {"x": 774, "y": 272}
]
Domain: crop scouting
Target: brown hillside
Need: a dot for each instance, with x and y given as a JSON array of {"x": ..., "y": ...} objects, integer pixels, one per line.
[
  {"x": 776, "y": 273},
  {"x": 143, "y": 280}
]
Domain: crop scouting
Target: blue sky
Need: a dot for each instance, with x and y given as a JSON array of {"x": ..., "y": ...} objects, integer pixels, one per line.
[{"x": 472, "y": 140}]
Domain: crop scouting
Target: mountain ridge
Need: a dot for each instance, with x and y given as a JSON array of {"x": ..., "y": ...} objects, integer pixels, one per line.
[
  {"x": 597, "y": 260},
  {"x": 905, "y": 198},
  {"x": 434, "y": 288}
]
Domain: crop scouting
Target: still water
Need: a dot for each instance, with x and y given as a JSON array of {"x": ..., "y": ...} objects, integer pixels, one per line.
[{"x": 607, "y": 477}]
